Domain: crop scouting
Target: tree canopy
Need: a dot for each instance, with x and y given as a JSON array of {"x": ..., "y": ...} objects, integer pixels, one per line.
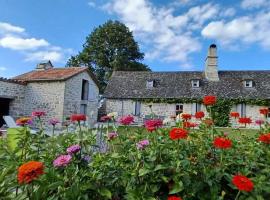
[{"x": 110, "y": 47}]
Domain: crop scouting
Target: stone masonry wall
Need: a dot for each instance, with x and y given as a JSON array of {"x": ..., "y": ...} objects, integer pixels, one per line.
[
  {"x": 73, "y": 100},
  {"x": 16, "y": 93},
  {"x": 46, "y": 96}
]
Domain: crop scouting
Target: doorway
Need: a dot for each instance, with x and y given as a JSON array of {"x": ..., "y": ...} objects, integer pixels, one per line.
[{"x": 4, "y": 109}]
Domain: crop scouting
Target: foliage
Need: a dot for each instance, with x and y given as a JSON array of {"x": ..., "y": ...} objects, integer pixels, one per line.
[
  {"x": 110, "y": 47},
  {"x": 189, "y": 167}
]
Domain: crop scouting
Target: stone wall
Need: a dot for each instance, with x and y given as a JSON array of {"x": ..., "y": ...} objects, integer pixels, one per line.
[
  {"x": 73, "y": 102},
  {"x": 46, "y": 96},
  {"x": 15, "y": 92}
]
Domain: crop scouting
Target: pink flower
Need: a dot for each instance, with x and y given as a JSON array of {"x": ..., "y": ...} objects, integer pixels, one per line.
[
  {"x": 73, "y": 149},
  {"x": 126, "y": 120},
  {"x": 142, "y": 144},
  {"x": 112, "y": 135},
  {"x": 105, "y": 118},
  {"x": 54, "y": 121},
  {"x": 152, "y": 124},
  {"x": 259, "y": 122},
  {"x": 38, "y": 113},
  {"x": 62, "y": 161}
]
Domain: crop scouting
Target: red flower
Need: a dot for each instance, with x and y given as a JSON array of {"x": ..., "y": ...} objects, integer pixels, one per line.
[
  {"x": 178, "y": 133},
  {"x": 245, "y": 120},
  {"x": 38, "y": 113},
  {"x": 78, "y": 117},
  {"x": 189, "y": 125},
  {"x": 126, "y": 120},
  {"x": 152, "y": 124},
  {"x": 222, "y": 143},
  {"x": 264, "y": 111},
  {"x": 235, "y": 114},
  {"x": 209, "y": 100},
  {"x": 174, "y": 198},
  {"x": 30, "y": 171},
  {"x": 24, "y": 121},
  {"x": 265, "y": 138},
  {"x": 186, "y": 116},
  {"x": 243, "y": 183},
  {"x": 199, "y": 115}
]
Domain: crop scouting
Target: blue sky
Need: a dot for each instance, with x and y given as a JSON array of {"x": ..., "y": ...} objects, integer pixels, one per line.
[{"x": 174, "y": 35}]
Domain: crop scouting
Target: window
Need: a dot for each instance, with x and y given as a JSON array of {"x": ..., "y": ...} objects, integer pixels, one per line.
[
  {"x": 196, "y": 107},
  {"x": 85, "y": 89},
  {"x": 178, "y": 109},
  {"x": 241, "y": 109},
  {"x": 195, "y": 83},
  {"x": 248, "y": 83},
  {"x": 83, "y": 109},
  {"x": 150, "y": 84},
  {"x": 137, "y": 108}
]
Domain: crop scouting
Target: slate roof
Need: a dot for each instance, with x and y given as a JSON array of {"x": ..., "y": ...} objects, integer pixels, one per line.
[
  {"x": 53, "y": 74},
  {"x": 132, "y": 85}
]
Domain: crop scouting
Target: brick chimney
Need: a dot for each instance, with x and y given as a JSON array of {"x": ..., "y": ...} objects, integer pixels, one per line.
[
  {"x": 211, "y": 64},
  {"x": 44, "y": 65}
]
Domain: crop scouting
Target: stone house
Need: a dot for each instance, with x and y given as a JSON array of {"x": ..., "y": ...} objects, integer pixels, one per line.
[
  {"x": 131, "y": 92},
  {"x": 59, "y": 92}
]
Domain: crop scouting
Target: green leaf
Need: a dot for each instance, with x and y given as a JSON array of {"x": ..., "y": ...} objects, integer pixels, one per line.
[
  {"x": 105, "y": 193},
  {"x": 143, "y": 171},
  {"x": 177, "y": 187}
]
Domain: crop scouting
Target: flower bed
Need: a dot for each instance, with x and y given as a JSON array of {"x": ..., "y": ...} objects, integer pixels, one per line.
[{"x": 139, "y": 164}]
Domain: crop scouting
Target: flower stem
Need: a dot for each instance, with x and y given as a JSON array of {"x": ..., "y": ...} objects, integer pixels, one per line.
[{"x": 237, "y": 196}]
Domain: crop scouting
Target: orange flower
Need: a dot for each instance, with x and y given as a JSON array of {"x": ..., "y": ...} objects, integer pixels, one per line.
[
  {"x": 23, "y": 121},
  {"x": 30, "y": 171},
  {"x": 264, "y": 111},
  {"x": 209, "y": 100},
  {"x": 208, "y": 122},
  {"x": 235, "y": 114}
]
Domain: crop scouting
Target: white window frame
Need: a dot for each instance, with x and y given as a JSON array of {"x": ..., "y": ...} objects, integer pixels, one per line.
[
  {"x": 150, "y": 84},
  {"x": 248, "y": 83},
  {"x": 179, "y": 111},
  {"x": 195, "y": 83}
]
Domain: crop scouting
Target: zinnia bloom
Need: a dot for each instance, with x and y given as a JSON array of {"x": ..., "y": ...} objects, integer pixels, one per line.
[
  {"x": 265, "y": 138},
  {"x": 73, "y": 149},
  {"x": 126, "y": 120},
  {"x": 199, "y": 115},
  {"x": 38, "y": 113},
  {"x": 189, "y": 125},
  {"x": 264, "y": 111},
  {"x": 186, "y": 116},
  {"x": 208, "y": 122},
  {"x": 245, "y": 120},
  {"x": 142, "y": 144},
  {"x": 62, "y": 161},
  {"x": 178, "y": 133},
  {"x": 54, "y": 121},
  {"x": 259, "y": 122},
  {"x": 105, "y": 118},
  {"x": 243, "y": 183},
  {"x": 24, "y": 121},
  {"x": 78, "y": 117},
  {"x": 30, "y": 171},
  {"x": 152, "y": 124},
  {"x": 235, "y": 114},
  {"x": 174, "y": 198},
  {"x": 209, "y": 100},
  {"x": 112, "y": 135},
  {"x": 222, "y": 143}
]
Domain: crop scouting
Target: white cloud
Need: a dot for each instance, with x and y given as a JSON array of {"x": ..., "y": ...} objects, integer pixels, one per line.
[
  {"x": 54, "y": 56},
  {"x": 92, "y": 4},
  {"x": 167, "y": 36},
  {"x": 241, "y": 30},
  {"x": 3, "y": 68},
  {"x": 229, "y": 12},
  {"x": 9, "y": 28},
  {"x": 19, "y": 43},
  {"x": 249, "y": 4}
]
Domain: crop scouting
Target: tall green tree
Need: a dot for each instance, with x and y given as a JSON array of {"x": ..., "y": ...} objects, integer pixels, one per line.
[{"x": 110, "y": 47}]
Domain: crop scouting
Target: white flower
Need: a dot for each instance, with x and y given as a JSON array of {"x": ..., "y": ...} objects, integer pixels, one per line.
[{"x": 112, "y": 114}]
